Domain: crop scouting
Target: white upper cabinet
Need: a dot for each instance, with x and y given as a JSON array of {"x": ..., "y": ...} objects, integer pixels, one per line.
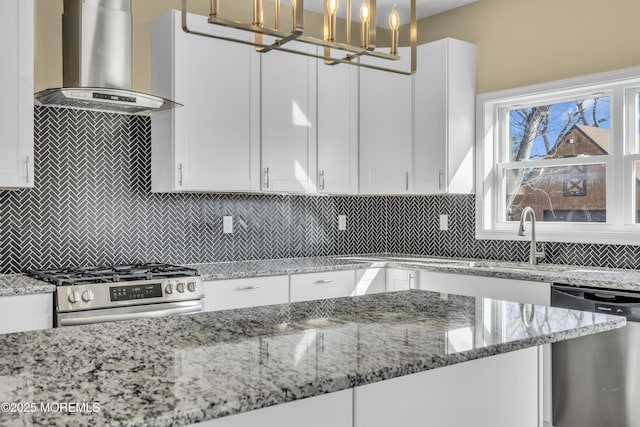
[
  {"x": 16, "y": 84},
  {"x": 445, "y": 90},
  {"x": 337, "y": 128},
  {"x": 288, "y": 88},
  {"x": 213, "y": 142},
  {"x": 386, "y": 130}
]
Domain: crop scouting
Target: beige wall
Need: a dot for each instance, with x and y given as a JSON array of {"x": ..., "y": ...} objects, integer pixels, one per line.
[{"x": 520, "y": 42}]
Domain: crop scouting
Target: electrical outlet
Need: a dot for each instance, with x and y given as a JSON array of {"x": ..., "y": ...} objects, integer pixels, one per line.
[
  {"x": 444, "y": 222},
  {"x": 227, "y": 224},
  {"x": 342, "y": 222}
]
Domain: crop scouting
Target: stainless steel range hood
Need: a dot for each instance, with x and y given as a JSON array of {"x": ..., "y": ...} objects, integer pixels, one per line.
[{"x": 96, "y": 49}]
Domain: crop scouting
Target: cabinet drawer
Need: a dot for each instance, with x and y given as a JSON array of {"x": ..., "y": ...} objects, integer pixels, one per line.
[
  {"x": 333, "y": 284},
  {"x": 241, "y": 293},
  {"x": 19, "y": 313}
]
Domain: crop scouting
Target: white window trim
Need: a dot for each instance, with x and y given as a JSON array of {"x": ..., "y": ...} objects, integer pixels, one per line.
[{"x": 619, "y": 228}]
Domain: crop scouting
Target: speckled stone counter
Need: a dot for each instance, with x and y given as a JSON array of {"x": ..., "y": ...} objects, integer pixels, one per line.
[
  {"x": 183, "y": 370},
  {"x": 573, "y": 275},
  {"x": 553, "y": 273},
  {"x": 23, "y": 285},
  {"x": 273, "y": 267}
]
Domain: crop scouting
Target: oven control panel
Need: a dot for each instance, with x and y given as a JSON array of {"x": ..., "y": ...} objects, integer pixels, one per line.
[{"x": 105, "y": 295}]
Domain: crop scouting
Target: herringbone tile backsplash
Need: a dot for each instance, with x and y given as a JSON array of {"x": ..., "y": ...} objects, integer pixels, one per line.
[{"x": 92, "y": 204}]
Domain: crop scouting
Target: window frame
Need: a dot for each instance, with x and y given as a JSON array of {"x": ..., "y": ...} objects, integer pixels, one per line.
[{"x": 623, "y": 88}]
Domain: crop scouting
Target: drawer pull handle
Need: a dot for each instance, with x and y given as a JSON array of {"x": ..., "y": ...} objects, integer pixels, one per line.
[
  {"x": 321, "y": 282},
  {"x": 247, "y": 288}
]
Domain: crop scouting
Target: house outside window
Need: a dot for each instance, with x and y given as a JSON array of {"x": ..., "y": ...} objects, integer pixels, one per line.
[{"x": 568, "y": 149}]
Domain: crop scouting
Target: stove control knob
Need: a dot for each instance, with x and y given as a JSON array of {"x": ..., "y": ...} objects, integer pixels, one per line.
[
  {"x": 169, "y": 289},
  {"x": 87, "y": 295},
  {"x": 191, "y": 286},
  {"x": 180, "y": 287},
  {"x": 74, "y": 297}
]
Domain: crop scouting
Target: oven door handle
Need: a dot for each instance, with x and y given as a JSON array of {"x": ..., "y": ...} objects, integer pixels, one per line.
[{"x": 100, "y": 318}]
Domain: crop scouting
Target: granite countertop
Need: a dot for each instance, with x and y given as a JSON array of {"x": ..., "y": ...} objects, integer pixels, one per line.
[
  {"x": 573, "y": 275},
  {"x": 17, "y": 284},
  {"x": 187, "y": 369},
  {"x": 274, "y": 267},
  {"x": 607, "y": 278}
]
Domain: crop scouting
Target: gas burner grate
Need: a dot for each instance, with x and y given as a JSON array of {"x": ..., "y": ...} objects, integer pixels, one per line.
[{"x": 111, "y": 274}]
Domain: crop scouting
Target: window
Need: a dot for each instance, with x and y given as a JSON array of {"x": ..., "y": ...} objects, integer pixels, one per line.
[{"x": 568, "y": 149}]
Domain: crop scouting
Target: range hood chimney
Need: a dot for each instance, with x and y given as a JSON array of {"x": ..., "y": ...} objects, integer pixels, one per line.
[{"x": 96, "y": 49}]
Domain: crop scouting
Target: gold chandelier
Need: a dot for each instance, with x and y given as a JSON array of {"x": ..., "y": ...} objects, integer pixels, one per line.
[{"x": 348, "y": 52}]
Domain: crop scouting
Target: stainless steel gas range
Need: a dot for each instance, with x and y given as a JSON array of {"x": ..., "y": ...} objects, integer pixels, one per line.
[{"x": 124, "y": 292}]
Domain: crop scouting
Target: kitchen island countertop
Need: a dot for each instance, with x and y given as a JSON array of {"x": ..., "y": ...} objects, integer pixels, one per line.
[{"x": 187, "y": 369}]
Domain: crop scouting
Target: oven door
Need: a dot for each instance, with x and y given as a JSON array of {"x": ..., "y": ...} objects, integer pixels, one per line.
[{"x": 128, "y": 313}]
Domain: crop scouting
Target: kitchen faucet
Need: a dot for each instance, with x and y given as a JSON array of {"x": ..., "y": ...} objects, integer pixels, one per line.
[{"x": 534, "y": 255}]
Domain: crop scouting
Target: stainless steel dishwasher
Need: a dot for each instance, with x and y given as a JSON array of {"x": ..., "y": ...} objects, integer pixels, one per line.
[{"x": 596, "y": 379}]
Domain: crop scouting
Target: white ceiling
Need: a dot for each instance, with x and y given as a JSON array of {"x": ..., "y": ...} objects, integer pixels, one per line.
[{"x": 424, "y": 8}]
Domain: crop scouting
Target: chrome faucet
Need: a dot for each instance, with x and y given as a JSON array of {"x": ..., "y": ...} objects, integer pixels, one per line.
[{"x": 534, "y": 255}]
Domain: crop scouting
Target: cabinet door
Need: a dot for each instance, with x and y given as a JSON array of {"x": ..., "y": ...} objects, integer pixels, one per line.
[
  {"x": 401, "y": 280},
  {"x": 332, "y": 409},
  {"x": 16, "y": 83},
  {"x": 19, "y": 313},
  {"x": 332, "y": 284},
  {"x": 431, "y": 118},
  {"x": 337, "y": 128},
  {"x": 386, "y": 131},
  {"x": 498, "y": 391},
  {"x": 523, "y": 291},
  {"x": 212, "y": 143},
  {"x": 445, "y": 89},
  {"x": 241, "y": 293},
  {"x": 371, "y": 281},
  {"x": 288, "y": 86}
]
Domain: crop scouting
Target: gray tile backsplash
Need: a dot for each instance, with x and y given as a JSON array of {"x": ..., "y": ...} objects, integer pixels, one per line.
[{"x": 92, "y": 204}]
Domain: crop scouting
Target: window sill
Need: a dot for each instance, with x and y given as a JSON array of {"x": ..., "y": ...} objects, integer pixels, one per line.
[{"x": 583, "y": 233}]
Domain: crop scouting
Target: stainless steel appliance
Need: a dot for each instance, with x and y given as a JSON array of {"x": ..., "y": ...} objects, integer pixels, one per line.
[
  {"x": 596, "y": 379},
  {"x": 96, "y": 59},
  {"x": 124, "y": 292}
]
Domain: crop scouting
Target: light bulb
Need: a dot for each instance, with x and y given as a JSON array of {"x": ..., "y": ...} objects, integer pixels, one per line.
[
  {"x": 364, "y": 17},
  {"x": 394, "y": 19},
  {"x": 332, "y": 6},
  {"x": 364, "y": 12}
]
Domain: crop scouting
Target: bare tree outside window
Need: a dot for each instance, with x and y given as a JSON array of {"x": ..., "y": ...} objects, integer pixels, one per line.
[{"x": 575, "y": 190}]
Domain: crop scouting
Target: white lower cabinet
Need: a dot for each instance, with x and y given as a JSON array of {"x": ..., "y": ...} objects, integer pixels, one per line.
[
  {"x": 241, "y": 293},
  {"x": 19, "y": 313},
  {"x": 331, "y": 284},
  {"x": 527, "y": 292},
  {"x": 523, "y": 291},
  {"x": 399, "y": 279},
  {"x": 371, "y": 280},
  {"x": 333, "y": 409},
  {"x": 498, "y": 391}
]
